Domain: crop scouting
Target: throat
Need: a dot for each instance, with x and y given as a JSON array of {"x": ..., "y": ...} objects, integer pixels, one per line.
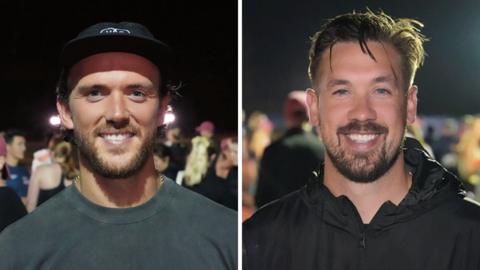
[
  {"x": 120, "y": 193},
  {"x": 369, "y": 197}
]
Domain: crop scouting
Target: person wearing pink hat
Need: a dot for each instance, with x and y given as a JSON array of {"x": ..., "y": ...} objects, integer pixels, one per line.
[
  {"x": 287, "y": 163},
  {"x": 206, "y": 129},
  {"x": 11, "y": 207}
]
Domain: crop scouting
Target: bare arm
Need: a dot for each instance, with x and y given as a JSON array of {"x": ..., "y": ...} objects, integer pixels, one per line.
[{"x": 34, "y": 189}]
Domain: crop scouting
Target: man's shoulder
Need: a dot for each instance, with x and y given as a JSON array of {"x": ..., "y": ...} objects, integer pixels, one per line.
[
  {"x": 196, "y": 207},
  {"x": 43, "y": 223},
  {"x": 202, "y": 218},
  {"x": 18, "y": 169},
  {"x": 466, "y": 211},
  {"x": 304, "y": 141},
  {"x": 277, "y": 213}
]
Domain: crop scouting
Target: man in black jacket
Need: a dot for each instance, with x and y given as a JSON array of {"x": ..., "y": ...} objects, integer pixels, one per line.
[
  {"x": 288, "y": 162},
  {"x": 379, "y": 202}
]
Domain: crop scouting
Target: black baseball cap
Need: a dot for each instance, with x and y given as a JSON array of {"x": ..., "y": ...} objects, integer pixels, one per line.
[{"x": 127, "y": 37}]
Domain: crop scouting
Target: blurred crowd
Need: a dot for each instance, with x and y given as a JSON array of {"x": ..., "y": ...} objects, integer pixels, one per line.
[
  {"x": 205, "y": 163},
  {"x": 277, "y": 160}
]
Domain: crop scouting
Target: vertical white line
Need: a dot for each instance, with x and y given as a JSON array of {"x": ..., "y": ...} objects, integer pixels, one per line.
[{"x": 240, "y": 134}]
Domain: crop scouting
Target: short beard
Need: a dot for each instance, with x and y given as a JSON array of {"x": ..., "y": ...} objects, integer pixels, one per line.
[
  {"x": 367, "y": 167},
  {"x": 99, "y": 165},
  {"x": 360, "y": 173}
]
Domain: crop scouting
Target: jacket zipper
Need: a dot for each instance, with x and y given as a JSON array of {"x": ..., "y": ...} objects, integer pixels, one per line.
[{"x": 363, "y": 240}]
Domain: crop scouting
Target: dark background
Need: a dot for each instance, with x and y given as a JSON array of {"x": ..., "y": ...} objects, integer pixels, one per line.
[
  {"x": 276, "y": 42},
  {"x": 203, "y": 34}
]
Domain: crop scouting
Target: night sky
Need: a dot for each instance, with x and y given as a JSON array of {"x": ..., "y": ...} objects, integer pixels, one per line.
[
  {"x": 202, "y": 33},
  {"x": 276, "y": 41}
]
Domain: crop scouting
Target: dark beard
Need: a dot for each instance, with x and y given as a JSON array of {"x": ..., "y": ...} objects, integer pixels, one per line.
[
  {"x": 91, "y": 157},
  {"x": 363, "y": 175},
  {"x": 356, "y": 169}
]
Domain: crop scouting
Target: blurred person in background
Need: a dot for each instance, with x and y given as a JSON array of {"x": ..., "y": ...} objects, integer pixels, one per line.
[
  {"x": 288, "y": 163},
  {"x": 162, "y": 157},
  {"x": 11, "y": 207},
  {"x": 199, "y": 159},
  {"x": 213, "y": 173},
  {"x": 178, "y": 150},
  {"x": 50, "y": 179},
  {"x": 260, "y": 132},
  {"x": 415, "y": 131},
  {"x": 19, "y": 175},
  {"x": 468, "y": 150},
  {"x": 249, "y": 172},
  {"x": 249, "y": 178},
  {"x": 444, "y": 146},
  {"x": 45, "y": 155},
  {"x": 206, "y": 129}
]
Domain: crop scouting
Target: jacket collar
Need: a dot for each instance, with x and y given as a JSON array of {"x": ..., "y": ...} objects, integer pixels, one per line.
[{"x": 432, "y": 185}]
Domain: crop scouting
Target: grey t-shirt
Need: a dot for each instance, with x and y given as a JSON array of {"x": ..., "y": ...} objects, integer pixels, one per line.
[{"x": 176, "y": 229}]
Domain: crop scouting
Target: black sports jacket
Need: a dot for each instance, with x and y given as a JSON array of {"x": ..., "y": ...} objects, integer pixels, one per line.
[{"x": 434, "y": 227}]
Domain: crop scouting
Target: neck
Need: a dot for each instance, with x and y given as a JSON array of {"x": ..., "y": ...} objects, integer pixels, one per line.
[
  {"x": 2, "y": 182},
  {"x": 393, "y": 186},
  {"x": 11, "y": 161},
  {"x": 118, "y": 193}
]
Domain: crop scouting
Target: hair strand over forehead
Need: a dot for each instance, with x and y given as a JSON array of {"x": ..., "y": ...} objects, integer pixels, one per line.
[{"x": 403, "y": 34}]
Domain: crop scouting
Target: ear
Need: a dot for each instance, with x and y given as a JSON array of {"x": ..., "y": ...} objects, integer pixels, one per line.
[
  {"x": 163, "y": 108},
  {"x": 312, "y": 106},
  {"x": 412, "y": 104},
  {"x": 64, "y": 113}
]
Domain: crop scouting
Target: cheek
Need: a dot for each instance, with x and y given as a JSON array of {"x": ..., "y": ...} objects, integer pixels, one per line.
[
  {"x": 332, "y": 116},
  {"x": 395, "y": 114},
  {"x": 83, "y": 116},
  {"x": 145, "y": 115},
  {"x": 18, "y": 149}
]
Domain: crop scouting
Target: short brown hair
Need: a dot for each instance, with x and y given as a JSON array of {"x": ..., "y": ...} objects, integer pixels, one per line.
[{"x": 403, "y": 34}]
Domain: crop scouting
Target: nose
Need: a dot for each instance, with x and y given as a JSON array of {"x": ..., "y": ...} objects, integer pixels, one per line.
[
  {"x": 117, "y": 112},
  {"x": 362, "y": 110}
]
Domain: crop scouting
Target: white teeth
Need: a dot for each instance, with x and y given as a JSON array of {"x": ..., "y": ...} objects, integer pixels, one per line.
[
  {"x": 115, "y": 138},
  {"x": 361, "y": 138}
]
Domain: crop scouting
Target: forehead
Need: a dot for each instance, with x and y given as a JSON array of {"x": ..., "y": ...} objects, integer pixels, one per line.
[
  {"x": 347, "y": 61},
  {"x": 18, "y": 139},
  {"x": 114, "y": 61}
]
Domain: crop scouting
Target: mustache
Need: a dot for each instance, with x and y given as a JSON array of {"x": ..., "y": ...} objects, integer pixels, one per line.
[
  {"x": 109, "y": 128},
  {"x": 360, "y": 126}
]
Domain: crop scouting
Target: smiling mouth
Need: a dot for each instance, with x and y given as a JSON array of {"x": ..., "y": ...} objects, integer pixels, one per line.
[
  {"x": 116, "y": 138},
  {"x": 362, "y": 138}
]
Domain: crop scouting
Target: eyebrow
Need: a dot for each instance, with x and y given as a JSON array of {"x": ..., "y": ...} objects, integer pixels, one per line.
[
  {"x": 90, "y": 86},
  {"x": 387, "y": 78},
  {"x": 332, "y": 83},
  {"x": 380, "y": 79},
  {"x": 102, "y": 87},
  {"x": 139, "y": 85}
]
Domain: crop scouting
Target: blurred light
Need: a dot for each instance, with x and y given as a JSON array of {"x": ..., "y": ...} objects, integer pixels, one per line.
[
  {"x": 55, "y": 120},
  {"x": 169, "y": 116}
]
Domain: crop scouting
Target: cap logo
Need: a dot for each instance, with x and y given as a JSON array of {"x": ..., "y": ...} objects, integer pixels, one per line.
[{"x": 113, "y": 30}]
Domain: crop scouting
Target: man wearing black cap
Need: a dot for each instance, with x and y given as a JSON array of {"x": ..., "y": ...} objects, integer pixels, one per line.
[{"x": 120, "y": 213}]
